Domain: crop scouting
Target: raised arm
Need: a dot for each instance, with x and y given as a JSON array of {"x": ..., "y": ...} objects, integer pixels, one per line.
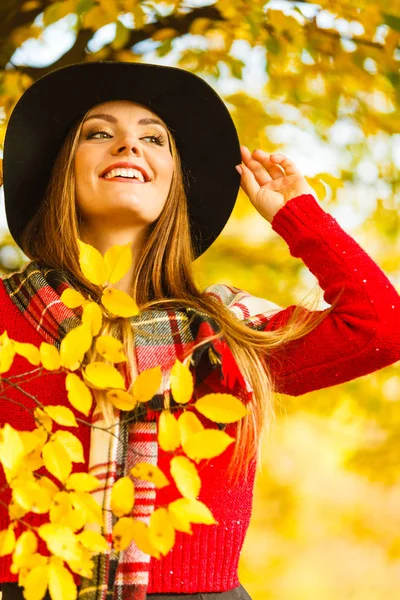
[{"x": 362, "y": 333}]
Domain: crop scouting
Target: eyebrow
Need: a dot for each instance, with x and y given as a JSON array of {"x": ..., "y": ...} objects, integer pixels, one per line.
[{"x": 112, "y": 119}]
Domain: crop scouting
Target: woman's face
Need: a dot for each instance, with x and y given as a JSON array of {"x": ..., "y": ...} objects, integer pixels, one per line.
[{"x": 122, "y": 132}]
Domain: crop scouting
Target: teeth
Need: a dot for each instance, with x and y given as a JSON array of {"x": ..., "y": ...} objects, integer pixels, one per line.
[{"x": 133, "y": 173}]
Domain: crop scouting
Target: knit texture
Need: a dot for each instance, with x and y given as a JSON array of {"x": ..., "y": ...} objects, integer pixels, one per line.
[{"x": 360, "y": 336}]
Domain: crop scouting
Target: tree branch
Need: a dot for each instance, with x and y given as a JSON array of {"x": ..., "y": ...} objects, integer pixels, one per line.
[
  {"x": 181, "y": 23},
  {"x": 12, "y": 17}
]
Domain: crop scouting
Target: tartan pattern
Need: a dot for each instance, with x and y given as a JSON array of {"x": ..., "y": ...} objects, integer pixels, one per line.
[
  {"x": 160, "y": 337},
  {"x": 107, "y": 472},
  {"x": 36, "y": 292},
  {"x": 132, "y": 574}
]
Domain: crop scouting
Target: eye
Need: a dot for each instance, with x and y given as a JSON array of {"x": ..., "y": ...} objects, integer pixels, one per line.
[
  {"x": 159, "y": 140},
  {"x": 93, "y": 133}
]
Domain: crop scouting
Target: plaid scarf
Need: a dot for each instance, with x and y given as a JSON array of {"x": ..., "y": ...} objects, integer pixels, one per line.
[{"x": 36, "y": 291}]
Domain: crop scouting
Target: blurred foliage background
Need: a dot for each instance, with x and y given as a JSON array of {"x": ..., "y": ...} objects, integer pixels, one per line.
[{"x": 326, "y": 520}]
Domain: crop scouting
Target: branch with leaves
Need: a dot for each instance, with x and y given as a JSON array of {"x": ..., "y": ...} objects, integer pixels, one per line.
[{"x": 66, "y": 498}]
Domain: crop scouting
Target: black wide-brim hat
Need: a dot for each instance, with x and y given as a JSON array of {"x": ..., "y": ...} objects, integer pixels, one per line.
[{"x": 203, "y": 129}]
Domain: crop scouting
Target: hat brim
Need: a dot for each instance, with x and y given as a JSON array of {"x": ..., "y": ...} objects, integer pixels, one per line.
[{"x": 203, "y": 129}]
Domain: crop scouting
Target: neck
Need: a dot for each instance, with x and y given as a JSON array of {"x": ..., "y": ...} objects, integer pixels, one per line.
[{"x": 103, "y": 238}]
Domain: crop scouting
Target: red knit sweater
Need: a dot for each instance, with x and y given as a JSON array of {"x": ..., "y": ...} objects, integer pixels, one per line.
[{"x": 361, "y": 335}]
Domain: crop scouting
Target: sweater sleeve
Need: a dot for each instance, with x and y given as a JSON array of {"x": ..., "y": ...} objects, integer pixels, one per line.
[{"x": 361, "y": 334}]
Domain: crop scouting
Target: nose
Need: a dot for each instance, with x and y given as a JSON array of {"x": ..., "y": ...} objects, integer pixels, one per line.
[{"x": 127, "y": 144}]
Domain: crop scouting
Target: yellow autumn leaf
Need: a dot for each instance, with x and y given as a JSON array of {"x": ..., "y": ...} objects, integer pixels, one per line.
[
  {"x": 146, "y": 384},
  {"x": 32, "y": 440},
  {"x": 110, "y": 348},
  {"x": 179, "y": 521},
  {"x": 72, "y": 298},
  {"x": 7, "y": 352},
  {"x": 168, "y": 432},
  {"x": 61, "y": 583},
  {"x": 92, "y": 264},
  {"x": 150, "y": 472},
  {"x": 7, "y": 541},
  {"x": 166, "y": 33},
  {"x": 31, "y": 496},
  {"x": 34, "y": 460},
  {"x": 161, "y": 532},
  {"x": 318, "y": 187},
  {"x": 69, "y": 511},
  {"x": 122, "y": 534},
  {"x": 43, "y": 420},
  {"x": 36, "y": 582},
  {"x": 92, "y": 315},
  {"x": 79, "y": 395},
  {"x": 64, "y": 513},
  {"x": 93, "y": 541},
  {"x": 26, "y": 562},
  {"x": 11, "y": 448},
  {"x": 49, "y": 357},
  {"x": 56, "y": 460},
  {"x": 9, "y": 475},
  {"x": 25, "y": 545},
  {"x": 200, "y": 25},
  {"x": 121, "y": 399},
  {"x": 206, "y": 444},
  {"x": 28, "y": 351},
  {"x": 142, "y": 539},
  {"x": 83, "y": 566},
  {"x": 102, "y": 376},
  {"x": 331, "y": 180},
  {"x": 192, "y": 510},
  {"x": 60, "y": 540},
  {"x": 61, "y": 415},
  {"x": 118, "y": 303},
  {"x": 186, "y": 477},
  {"x": 71, "y": 444},
  {"x": 82, "y": 482},
  {"x": 15, "y": 511},
  {"x": 21, "y": 477},
  {"x": 189, "y": 424},
  {"x": 181, "y": 383},
  {"x": 118, "y": 261},
  {"x": 221, "y": 408},
  {"x": 84, "y": 501},
  {"x": 122, "y": 496},
  {"x": 74, "y": 346},
  {"x": 48, "y": 485}
]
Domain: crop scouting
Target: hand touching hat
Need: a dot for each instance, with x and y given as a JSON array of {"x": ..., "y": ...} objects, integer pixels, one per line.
[{"x": 270, "y": 181}]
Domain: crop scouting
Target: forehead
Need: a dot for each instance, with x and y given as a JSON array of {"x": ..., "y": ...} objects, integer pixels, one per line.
[{"x": 121, "y": 107}]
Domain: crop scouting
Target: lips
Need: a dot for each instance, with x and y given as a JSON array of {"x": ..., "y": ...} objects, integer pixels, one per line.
[{"x": 120, "y": 179}]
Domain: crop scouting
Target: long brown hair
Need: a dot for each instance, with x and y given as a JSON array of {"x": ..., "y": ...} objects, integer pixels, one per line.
[{"x": 164, "y": 278}]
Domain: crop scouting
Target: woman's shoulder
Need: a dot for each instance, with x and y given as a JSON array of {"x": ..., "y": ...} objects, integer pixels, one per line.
[
  {"x": 8, "y": 309},
  {"x": 4, "y": 299},
  {"x": 241, "y": 302}
]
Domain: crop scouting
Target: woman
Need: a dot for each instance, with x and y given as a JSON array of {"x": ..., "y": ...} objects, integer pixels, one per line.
[{"x": 124, "y": 153}]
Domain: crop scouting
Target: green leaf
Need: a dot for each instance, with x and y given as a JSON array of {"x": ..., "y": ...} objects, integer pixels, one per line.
[
  {"x": 56, "y": 11},
  {"x": 391, "y": 21},
  {"x": 83, "y": 6},
  {"x": 122, "y": 34}
]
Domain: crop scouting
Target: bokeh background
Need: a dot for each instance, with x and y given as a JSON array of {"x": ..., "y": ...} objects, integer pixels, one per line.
[{"x": 319, "y": 82}]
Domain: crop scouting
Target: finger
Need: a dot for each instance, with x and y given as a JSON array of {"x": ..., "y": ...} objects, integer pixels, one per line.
[
  {"x": 260, "y": 173},
  {"x": 275, "y": 170},
  {"x": 249, "y": 182},
  {"x": 287, "y": 164}
]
